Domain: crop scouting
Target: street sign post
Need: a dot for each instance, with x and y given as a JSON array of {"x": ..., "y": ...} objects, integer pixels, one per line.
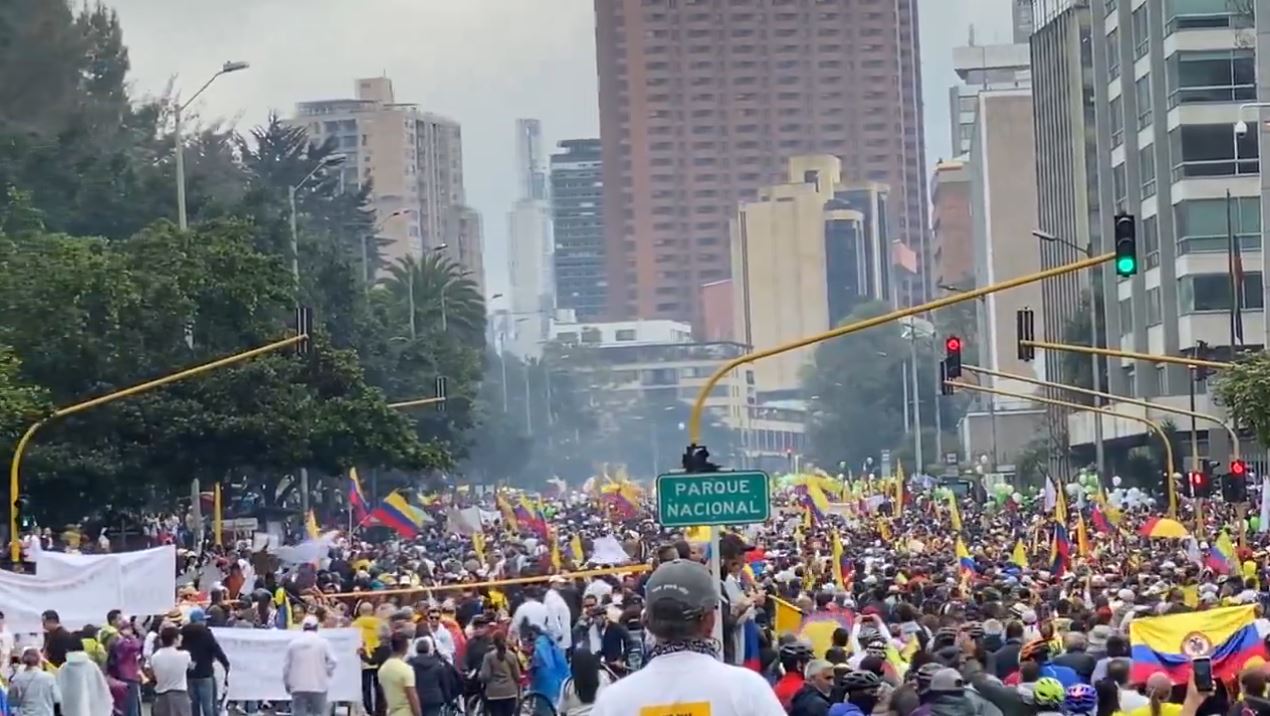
[
  {"x": 713, "y": 498},
  {"x": 691, "y": 499}
]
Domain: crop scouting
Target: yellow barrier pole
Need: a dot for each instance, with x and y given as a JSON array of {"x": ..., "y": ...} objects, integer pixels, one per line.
[
  {"x": 416, "y": 403},
  {"x": 1234, "y": 436},
  {"x": 15, "y": 548},
  {"x": 1168, "y": 448},
  {"x": 1112, "y": 353},
  {"x": 694, "y": 420},
  {"x": 628, "y": 569}
]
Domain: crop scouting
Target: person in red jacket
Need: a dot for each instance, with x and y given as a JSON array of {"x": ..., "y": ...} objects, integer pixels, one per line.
[{"x": 794, "y": 657}]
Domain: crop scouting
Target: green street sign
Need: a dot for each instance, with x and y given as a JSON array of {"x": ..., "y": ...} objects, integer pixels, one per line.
[{"x": 713, "y": 498}]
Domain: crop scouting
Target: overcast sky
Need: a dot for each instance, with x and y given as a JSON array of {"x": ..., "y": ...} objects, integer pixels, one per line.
[{"x": 482, "y": 62}]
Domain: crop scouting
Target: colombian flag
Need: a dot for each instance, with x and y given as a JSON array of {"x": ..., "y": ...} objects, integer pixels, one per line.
[
  {"x": 964, "y": 560},
  {"x": 398, "y": 514},
  {"x": 1101, "y": 524},
  {"x": 1167, "y": 644},
  {"x": 1060, "y": 551},
  {"x": 815, "y": 500},
  {"x": 356, "y": 498},
  {"x": 1221, "y": 556}
]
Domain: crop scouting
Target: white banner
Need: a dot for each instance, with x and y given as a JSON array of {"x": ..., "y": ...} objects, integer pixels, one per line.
[
  {"x": 148, "y": 577},
  {"x": 80, "y": 599},
  {"x": 256, "y": 658}
]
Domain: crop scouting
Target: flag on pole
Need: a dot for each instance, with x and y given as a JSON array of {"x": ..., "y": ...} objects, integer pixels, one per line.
[
  {"x": 1082, "y": 539},
  {"x": 356, "y": 498},
  {"x": 310, "y": 524},
  {"x": 837, "y": 561},
  {"x": 964, "y": 560},
  {"x": 478, "y": 545},
  {"x": 217, "y": 516},
  {"x": 954, "y": 514},
  {"x": 575, "y": 548},
  {"x": 398, "y": 514},
  {"x": 899, "y": 487}
]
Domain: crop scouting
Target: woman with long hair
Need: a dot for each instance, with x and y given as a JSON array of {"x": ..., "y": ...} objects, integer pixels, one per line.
[
  {"x": 500, "y": 673},
  {"x": 586, "y": 680}
]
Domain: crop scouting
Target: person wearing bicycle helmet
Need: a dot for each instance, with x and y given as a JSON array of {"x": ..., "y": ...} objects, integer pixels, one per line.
[
  {"x": 682, "y": 673},
  {"x": 1082, "y": 700},
  {"x": 1048, "y": 696},
  {"x": 863, "y": 688},
  {"x": 945, "y": 695},
  {"x": 794, "y": 657},
  {"x": 1038, "y": 651}
]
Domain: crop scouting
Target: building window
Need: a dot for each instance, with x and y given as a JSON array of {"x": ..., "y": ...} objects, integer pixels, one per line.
[
  {"x": 1201, "y": 225},
  {"x": 1126, "y": 316},
  {"x": 1203, "y": 292},
  {"x": 1213, "y": 150},
  {"x": 1154, "y": 308},
  {"x": 1217, "y": 76},
  {"x": 624, "y": 334},
  {"x": 1117, "y": 122},
  {"x": 1142, "y": 90},
  {"x": 1113, "y": 55},
  {"x": 1146, "y": 170},
  {"x": 1141, "y": 32},
  {"x": 1151, "y": 241},
  {"x": 1202, "y": 14},
  {"x": 1119, "y": 188}
]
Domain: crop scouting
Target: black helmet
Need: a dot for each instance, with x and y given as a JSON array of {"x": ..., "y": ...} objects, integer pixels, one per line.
[{"x": 861, "y": 681}]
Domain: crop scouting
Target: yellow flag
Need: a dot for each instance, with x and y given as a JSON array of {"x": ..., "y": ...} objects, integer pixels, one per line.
[
  {"x": 837, "y": 560},
  {"x": 1019, "y": 557},
  {"x": 575, "y": 547},
  {"x": 555, "y": 552},
  {"x": 311, "y": 525},
  {"x": 478, "y": 545},
  {"x": 884, "y": 530},
  {"x": 697, "y": 534},
  {"x": 787, "y": 618},
  {"x": 1082, "y": 539},
  {"x": 954, "y": 514}
]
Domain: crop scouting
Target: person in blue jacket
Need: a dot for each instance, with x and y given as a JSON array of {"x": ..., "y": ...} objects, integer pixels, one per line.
[{"x": 548, "y": 668}]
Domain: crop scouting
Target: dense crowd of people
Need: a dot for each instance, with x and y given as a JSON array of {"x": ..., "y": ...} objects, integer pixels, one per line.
[{"x": 935, "y": 606}]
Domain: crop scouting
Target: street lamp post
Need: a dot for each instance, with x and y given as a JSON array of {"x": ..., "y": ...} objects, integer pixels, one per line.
[
  {"x": 1100, "y": 457},
  {"x": 182, "y": 220},
  {"x": 295, "y": 273}
]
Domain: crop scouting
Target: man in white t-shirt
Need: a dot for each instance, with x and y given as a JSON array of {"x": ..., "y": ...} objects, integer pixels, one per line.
[
  {"x": 169, "y": 667},
  {"x": 683, "y": 674}
]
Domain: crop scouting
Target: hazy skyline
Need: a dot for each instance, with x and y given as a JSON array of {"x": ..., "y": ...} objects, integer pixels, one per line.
[{"x": 484, "y": 63}]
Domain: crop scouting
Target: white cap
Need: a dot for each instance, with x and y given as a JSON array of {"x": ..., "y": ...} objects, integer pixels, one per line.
[{"x": 310, "y": 622}]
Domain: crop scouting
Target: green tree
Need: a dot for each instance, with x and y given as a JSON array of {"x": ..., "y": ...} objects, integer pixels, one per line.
[{"x": 432, "y": 294}]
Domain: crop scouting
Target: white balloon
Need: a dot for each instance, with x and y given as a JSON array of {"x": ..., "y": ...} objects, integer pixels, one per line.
[
  {"x": 1017, "y": 498},
  {"x": 1116, "y": 481}
]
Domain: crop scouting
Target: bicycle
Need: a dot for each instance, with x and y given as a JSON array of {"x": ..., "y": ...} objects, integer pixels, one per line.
[{"x": 536, "y": 704}]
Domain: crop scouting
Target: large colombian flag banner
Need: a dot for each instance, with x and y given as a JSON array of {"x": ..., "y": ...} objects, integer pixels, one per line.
[{"x": 1167, "y": 644}]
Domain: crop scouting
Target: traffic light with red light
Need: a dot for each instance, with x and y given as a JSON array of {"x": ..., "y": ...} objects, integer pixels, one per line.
[
  {"x": 1234, "y": 486},
  {"x": 952, "y": 357},
  {"x": 1200, "y": 485}
]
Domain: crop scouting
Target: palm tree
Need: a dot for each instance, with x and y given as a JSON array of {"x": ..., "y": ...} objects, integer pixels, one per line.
[{"x": 432, "y": 294}]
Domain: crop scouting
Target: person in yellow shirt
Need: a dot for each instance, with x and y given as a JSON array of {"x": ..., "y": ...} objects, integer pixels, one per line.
[
  {"x": 1158, "y": 689},
  {"x": 371, "y": 627},
  {"x": 397, "y": 679}
]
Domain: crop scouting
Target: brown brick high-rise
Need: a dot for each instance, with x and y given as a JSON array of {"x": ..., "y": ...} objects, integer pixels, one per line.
[{"x": 703, "y": 101}]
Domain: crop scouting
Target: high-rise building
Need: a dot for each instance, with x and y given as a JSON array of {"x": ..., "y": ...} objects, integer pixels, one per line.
[
  {"x": 577, "y": 205},
  {"x": 982, "y": 67},
  {"x": 952, "y": 233},
  {"x": 415, "y": 161},
  {"x": 1168, "y": 82},
  {"x": 1063, "y": 111},
  {"x": 1003, "y": 186},
  {"x": 530, "y": 259},
  {"x": 806, "y": 253},
  {"x": 703, "y": 101}
]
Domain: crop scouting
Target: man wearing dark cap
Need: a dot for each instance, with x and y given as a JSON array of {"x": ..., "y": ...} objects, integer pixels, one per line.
[{"x": 683, "y": 674}]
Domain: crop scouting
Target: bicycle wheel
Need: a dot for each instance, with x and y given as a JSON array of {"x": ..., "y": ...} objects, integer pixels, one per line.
[
  {"x": 474, "y": 705},
  {"x": 535, "y": 705}
]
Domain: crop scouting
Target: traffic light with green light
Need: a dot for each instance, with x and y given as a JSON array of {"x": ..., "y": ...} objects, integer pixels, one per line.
[{"x": 1126, "y": 245}]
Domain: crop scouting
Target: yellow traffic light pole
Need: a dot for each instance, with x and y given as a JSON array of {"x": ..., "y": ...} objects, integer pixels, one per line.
[
  {"x": 1155, "y": 427},
  {"x": 15, "y": 548},
  {"x": 416, "y": 403},
  {"x": 1234, "y": 436},
  {"x": 694, "y": 420},
  {"x": 1112, "y": 353}
]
